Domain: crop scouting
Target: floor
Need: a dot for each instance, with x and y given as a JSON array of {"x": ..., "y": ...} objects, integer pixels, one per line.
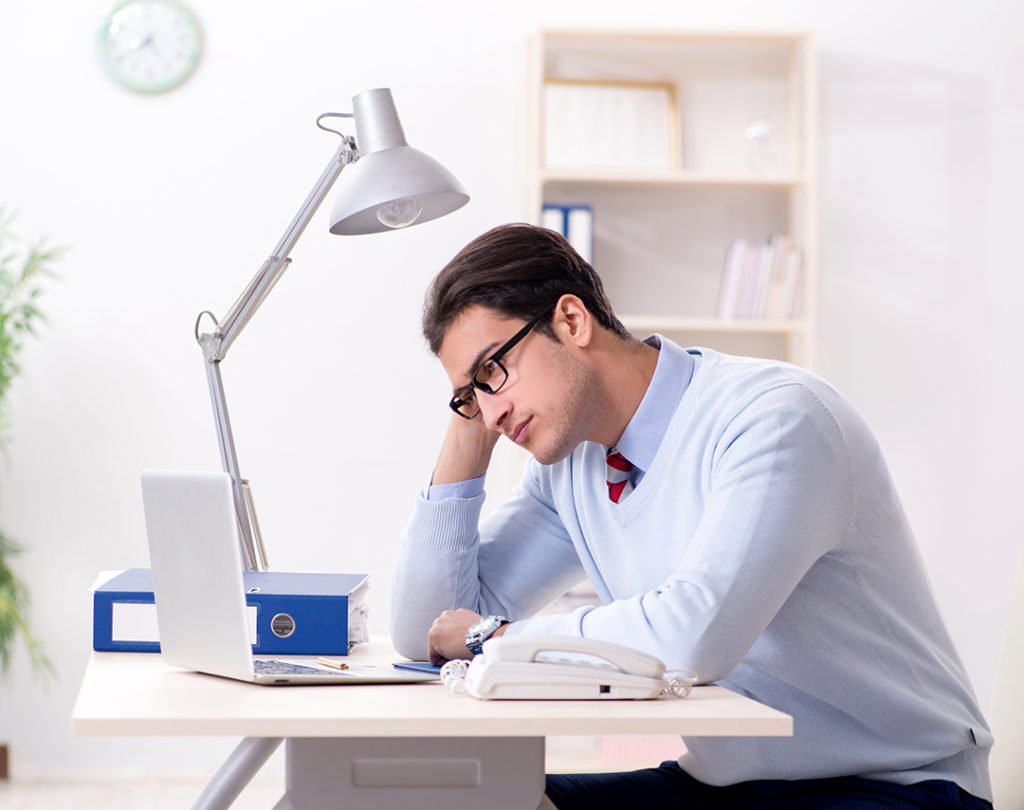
[{"x": 174, "y": 795}]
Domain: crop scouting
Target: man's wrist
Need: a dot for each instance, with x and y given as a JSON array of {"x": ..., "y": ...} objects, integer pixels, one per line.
[
  {"x": 481, "y": 630},
  {"x": 458, "y": 489},
  {"x": 466, "y": 452}
]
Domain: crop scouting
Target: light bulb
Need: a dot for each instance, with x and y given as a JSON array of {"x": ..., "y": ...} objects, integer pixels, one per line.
[{"x": 399, "y": 213}]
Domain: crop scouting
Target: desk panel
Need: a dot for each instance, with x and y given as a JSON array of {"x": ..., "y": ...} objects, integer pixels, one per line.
[{"x": 136, "y": 694}]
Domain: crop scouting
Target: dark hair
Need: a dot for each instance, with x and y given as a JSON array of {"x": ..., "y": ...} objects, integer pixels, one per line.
[{"x": 515, "y": 270}]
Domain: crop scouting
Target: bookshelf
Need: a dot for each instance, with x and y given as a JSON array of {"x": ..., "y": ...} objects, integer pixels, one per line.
[{"x": 717, "y": 144}]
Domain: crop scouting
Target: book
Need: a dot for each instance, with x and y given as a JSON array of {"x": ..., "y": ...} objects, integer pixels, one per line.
[
  {"x": 787, "y": 290},
  {"x": 761, "y": 281},
  {"x": 731, "y": 279}
]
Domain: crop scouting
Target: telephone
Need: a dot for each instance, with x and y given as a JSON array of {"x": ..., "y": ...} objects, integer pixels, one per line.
[{"x": 562, "y": 668}]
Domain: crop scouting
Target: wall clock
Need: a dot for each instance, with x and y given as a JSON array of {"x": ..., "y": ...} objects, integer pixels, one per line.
[{"x": 150, "y": 46}]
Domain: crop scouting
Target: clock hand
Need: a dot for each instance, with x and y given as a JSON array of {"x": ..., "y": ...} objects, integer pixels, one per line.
[{"x": 140, "y": 44}]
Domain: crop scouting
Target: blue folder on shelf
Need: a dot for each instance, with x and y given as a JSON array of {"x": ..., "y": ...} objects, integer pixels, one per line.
[
  {"x": 575, "y": 223},
  {"x": 289, "y": 613}
]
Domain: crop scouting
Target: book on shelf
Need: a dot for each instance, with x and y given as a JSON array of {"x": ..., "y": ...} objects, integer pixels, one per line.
[
  {"x": 761, "y": 280},
  {"x": 575, "y": 223}
]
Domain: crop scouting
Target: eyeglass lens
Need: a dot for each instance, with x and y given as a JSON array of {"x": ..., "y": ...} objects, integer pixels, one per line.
[
  {"x": 490, "y": 376},
  {"x": 464, "y": 403}
]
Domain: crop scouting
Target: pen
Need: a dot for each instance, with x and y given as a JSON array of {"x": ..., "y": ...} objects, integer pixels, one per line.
[{"x": 332, "y": 662}]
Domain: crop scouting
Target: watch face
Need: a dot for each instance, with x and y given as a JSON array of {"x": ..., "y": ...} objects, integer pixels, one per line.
[
  {"x": 483, "y": 625},
  {"x": 150, "y": 46}
]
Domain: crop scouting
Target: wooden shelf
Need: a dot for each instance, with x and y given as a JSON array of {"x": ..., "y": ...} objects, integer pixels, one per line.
[
  {"x": 656, "y": 323},
  {"x": 668, "y": 179}
]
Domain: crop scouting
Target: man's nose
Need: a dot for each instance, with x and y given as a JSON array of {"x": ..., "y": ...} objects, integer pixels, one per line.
[{"x": 495, "y": 410}]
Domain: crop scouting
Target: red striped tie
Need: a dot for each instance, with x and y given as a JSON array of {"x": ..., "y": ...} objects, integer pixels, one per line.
[{"x": 619, "y": 471}]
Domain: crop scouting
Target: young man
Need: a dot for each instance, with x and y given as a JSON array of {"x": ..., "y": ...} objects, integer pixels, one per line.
[{"x": 750, "y": 532}]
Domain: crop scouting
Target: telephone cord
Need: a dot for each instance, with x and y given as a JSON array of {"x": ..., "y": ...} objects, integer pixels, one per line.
[
  {"x": 453, "y": 675},
  {"x": 678, "y": 683}
]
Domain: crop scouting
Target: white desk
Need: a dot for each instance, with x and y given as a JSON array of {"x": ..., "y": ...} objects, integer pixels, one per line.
[{"x": 348, "y": 742}]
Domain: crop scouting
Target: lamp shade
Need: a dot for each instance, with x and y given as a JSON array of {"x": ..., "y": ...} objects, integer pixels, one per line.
[{"x": 389, "y": 176}]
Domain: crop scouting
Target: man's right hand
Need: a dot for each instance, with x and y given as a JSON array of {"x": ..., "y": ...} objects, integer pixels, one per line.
[{"x": 466, "y": 452}]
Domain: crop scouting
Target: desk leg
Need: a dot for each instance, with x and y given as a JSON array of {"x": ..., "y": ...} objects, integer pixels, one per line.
[
  {"x": 238, "y": 769},
  {"x": 408, "y": 773}
]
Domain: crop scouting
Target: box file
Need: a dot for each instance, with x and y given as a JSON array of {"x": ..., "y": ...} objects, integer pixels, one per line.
[
  {"x": 289, "y": 613},
  {"x": 575, "y": 223}
]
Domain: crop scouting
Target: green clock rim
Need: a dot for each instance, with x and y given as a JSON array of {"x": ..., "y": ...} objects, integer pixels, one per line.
[{"x": 150, "y": 88}]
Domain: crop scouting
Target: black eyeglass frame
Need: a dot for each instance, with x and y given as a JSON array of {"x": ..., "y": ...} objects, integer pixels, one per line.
[{"x": 459, "y": 400}]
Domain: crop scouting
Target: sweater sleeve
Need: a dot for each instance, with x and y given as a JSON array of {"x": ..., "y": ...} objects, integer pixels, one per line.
[
  {"x": 518, "y": 560},
  {"x": 778, "y": 497}
]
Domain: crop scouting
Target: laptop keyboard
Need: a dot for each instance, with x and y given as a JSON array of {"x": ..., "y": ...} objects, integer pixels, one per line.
[{"x": 269, "y": 666}]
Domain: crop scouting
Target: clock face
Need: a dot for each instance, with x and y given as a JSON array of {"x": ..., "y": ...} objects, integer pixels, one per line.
[{"x": 150, "y": 46}]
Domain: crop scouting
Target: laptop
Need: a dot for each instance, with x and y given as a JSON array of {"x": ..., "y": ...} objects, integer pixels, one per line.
[{"x": 201, "y": 614}]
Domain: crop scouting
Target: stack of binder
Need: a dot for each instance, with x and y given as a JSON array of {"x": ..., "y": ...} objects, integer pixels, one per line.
[{"x": 289, "y": 613}]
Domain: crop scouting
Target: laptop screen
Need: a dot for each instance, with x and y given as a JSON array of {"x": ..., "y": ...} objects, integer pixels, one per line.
[{"x": 197, "y": 572}]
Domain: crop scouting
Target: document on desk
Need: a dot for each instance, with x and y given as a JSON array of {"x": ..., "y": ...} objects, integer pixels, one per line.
[{"x": 419, "y": 666}]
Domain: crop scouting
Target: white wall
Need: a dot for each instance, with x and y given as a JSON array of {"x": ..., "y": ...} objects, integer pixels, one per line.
[{"x": 170, "y": 204}]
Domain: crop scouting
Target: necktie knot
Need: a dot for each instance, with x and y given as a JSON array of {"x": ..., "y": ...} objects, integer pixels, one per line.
[{"x": 619, "y": 473}]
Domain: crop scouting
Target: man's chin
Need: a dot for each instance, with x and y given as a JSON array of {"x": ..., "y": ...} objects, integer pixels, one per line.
[{"x": 549, "y": 457}]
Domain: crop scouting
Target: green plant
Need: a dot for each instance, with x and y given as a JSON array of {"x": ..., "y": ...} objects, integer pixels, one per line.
[{"x": 22, "y": 272}]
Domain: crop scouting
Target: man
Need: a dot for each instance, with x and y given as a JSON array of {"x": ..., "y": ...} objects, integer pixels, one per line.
[{"x": 755, "y": 537}]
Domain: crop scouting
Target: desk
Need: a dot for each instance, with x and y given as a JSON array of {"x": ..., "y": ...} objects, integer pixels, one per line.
[{"x": 348, "y": 742}]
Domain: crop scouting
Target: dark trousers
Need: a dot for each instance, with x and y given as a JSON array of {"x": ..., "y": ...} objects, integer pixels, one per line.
[{"x": 669, "y": 786}]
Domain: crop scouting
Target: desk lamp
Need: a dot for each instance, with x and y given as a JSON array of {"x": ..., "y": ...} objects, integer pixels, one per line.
[{"x": 389, "y": 185}]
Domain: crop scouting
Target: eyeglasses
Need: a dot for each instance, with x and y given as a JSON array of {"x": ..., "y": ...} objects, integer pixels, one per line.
[{"x": 490, "y": 375}]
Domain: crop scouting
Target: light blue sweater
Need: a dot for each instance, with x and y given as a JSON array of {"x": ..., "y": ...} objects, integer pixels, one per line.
[{"x": 764, "y": 547}]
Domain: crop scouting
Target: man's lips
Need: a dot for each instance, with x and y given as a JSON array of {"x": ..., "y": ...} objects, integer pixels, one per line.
[{"x": 519, "y": 433}]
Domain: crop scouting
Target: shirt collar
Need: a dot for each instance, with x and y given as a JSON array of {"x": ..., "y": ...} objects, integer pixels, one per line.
[{"x": 642, "y": 437}]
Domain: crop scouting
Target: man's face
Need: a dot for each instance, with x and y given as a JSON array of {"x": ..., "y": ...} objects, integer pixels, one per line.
[{"x": 544, "y": 405}]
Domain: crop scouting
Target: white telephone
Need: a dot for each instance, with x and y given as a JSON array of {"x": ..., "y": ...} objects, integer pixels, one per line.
[{"x": 562, "y": 668}]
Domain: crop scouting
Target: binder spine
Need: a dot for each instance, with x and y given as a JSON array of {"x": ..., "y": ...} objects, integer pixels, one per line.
[
  {"x": 297, "y": 625},
  {"x": 103, "y": 635}
]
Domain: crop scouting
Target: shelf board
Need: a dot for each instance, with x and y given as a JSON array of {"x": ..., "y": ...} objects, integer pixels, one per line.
[
  {"x": 669, "y": 178},
  {"x": 656, "y": 323},
  {"x": 560, "y": 37}
]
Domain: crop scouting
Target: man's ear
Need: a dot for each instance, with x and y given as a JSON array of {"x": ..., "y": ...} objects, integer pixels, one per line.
[{"x": 573, "y": 321}]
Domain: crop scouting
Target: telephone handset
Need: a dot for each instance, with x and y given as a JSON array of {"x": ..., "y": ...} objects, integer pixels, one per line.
[{"x": 562, "y": 668}]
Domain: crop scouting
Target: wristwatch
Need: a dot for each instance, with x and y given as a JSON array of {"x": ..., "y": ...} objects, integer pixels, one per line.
[{"x": 481, "y": 630}]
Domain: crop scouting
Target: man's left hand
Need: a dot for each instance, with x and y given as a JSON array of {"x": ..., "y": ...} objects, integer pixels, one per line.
[{"x": 447, "y": 636}]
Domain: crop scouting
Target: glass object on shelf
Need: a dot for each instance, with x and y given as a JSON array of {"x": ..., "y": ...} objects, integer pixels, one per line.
[{"x": 761, "y": 156}]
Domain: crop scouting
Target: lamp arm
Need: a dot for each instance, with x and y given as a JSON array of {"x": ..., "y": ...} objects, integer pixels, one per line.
[
  {"x": 215, "y": 345},
  {"x": 241, "y": 312}
]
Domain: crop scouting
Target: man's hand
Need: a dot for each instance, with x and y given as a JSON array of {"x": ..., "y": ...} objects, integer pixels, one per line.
[
  {"x": 466, "y": 451},
  {"x": 447, "y": 636}
]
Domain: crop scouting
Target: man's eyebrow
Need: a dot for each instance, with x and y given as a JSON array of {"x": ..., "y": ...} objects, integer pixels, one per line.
[{"x": 479, "y": 359}]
